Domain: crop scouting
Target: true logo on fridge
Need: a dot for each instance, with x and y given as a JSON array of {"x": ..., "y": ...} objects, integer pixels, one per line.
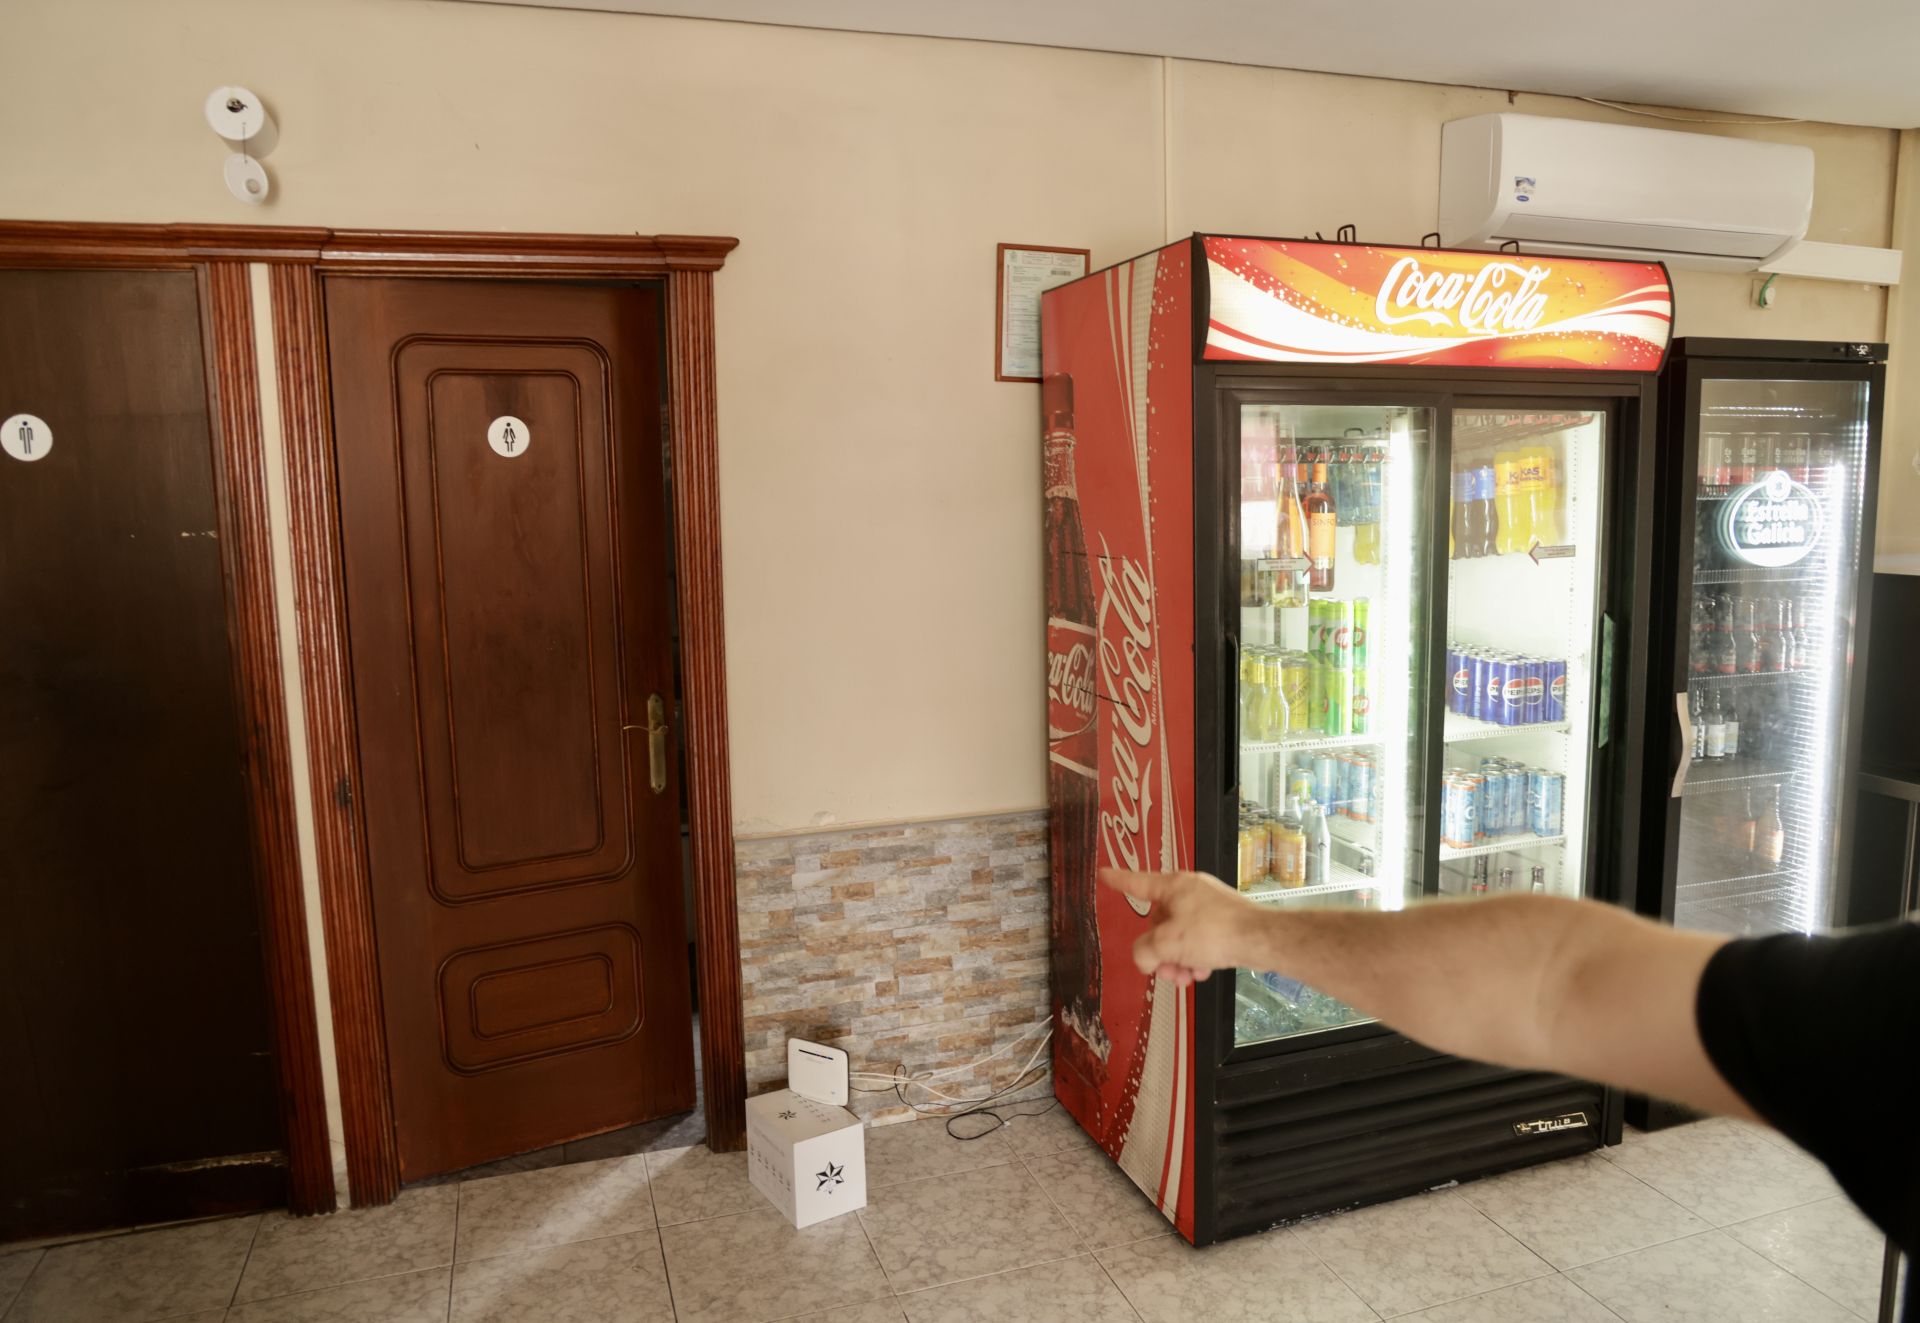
[
  {"x": 1501, "y": 298},
  {"x": 1125, "y": 631}
]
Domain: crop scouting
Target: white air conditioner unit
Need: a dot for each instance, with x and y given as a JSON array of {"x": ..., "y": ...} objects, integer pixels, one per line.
[{"x": 1613, "y": 190}]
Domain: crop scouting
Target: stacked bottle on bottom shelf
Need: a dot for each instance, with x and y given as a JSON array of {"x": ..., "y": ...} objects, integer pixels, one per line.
[
  {"x": 1294, "y": 846},
  {"x": 1744, "y": 633},
  {"x": 1752, "y": 724}
]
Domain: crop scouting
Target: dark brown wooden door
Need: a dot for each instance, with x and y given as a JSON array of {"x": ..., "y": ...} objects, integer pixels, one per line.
[
  {"x": 509, "y": 619},
  {"x": 136, "y": 1067}
]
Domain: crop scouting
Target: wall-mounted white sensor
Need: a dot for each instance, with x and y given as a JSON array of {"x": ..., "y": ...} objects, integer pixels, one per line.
[{"x": 243, "y": 123}]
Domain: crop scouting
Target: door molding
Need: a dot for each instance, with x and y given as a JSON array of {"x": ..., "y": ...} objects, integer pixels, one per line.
[{"x": 301, "y": 259}]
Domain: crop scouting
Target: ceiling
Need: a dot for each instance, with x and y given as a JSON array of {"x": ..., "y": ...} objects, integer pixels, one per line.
[{"x": 1847, "y": 61}]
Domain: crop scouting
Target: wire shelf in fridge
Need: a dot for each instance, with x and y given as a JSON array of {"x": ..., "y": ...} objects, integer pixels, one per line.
[
  {"x": 1307, "y": 742},
  {"x": 1715, "y": 774},
  {"x": 1744, "y": 679},
  {"x": 1344, "y": 879},
  {"x": 1499, "y": 845},
  {"x": 1463, "y": 729},
  {"x": 1755, "y": 575}
]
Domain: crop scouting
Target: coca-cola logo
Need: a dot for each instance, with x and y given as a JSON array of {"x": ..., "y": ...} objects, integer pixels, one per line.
[
  {"x": 1124, "y": 623},
  {"x": 1501, "y": 298},
  {"x": 1069, "y": 682}
]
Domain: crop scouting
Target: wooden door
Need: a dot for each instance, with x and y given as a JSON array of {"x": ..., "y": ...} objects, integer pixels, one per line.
[
  {"x": 136, "y": 1053},
  {"x": 505, "y": 539}
]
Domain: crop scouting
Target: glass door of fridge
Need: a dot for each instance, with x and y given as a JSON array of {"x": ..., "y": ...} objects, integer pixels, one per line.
[
  {"x": 1524, "y": 646},
  {"x": 1777, "y": 499},
  {"x": 1333, "y": 548}
]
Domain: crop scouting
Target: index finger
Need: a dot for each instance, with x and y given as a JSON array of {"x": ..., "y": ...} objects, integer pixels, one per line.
[{"x": 1150, "y": 887}]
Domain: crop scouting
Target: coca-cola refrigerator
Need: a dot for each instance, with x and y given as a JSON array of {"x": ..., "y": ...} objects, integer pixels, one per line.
[
  {"x": 1350, "y": 554},
  {"x": 1768, "y": 462}
]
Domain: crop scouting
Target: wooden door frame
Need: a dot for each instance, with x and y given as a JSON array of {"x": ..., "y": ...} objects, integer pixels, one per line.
[{"x": 300, "y": 261}]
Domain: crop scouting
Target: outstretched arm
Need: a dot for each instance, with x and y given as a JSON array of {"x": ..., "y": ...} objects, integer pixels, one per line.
[{"x": 1531, "y": 982}]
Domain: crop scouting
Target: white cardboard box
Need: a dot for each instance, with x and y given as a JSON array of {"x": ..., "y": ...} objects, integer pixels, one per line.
[{"x": 808, "y": 1157}]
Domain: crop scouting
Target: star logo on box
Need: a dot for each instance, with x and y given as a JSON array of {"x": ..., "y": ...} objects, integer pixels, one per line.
[{"x": 829, "y": 1178}]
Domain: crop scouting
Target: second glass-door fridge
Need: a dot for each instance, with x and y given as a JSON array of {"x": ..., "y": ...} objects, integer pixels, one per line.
[{"x": 1350, "y": 554}]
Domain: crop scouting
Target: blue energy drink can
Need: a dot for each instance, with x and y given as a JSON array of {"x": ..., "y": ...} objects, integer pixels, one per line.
[
  {"x": 1549, "y": 792},
  {"x": 1456, "y": 811},
  {"x": 1360, "y": 789},
  {"x": 1326, "y": 782},
  {"x": 1553, "y": 681},
  {"x": 1519, "y": 780}
]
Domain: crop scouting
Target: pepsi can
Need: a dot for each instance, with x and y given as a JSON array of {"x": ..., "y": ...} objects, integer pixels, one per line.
[
  {"x": 1536, "y": 690},
  {"x": 1513, "y": 691},
  {"x": 1519, "y": 787},
  {"x": 1549, "y": 792},
  {"x": 1456, "y": 811},
  {"x": 1553, "y": 679},
  {"x": 1476, "y": 701},
  {"x": 1459, "y": 681},
  {"x": 1493, "y": 691},
  {"x": 1493, "y": 813}
]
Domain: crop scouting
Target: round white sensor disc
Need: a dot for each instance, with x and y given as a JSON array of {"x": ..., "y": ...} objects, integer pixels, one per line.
[{"x": 247, "y": 179}]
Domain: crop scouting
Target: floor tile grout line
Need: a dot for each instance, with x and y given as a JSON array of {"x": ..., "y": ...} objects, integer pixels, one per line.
[
  {"x": 453, "y": 1251},
  {"x": 1292, "y": 1231},
  {"x": 21, "y": 1290},
  {"x": 259, "y": 1221}
]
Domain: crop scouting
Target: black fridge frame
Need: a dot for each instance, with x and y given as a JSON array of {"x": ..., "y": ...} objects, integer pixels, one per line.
[
  {"x": 1629, "y": 399},
  {"x": 1695, "y": 361}
]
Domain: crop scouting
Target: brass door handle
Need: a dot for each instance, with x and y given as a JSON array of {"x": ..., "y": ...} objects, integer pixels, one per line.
[{"x": 656, "y": 729}]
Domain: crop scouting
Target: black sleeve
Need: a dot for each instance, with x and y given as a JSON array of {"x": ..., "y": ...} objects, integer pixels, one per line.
[{"x": 1821, "y": 1036}]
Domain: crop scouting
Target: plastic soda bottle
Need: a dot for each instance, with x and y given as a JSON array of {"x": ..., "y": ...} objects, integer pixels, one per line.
[
  {"x": 1253, "y": 697},
  {"x": 1516, "y": 521},
  {"x": 1543, "y": 479},
  {"x": 1483, "y": 492},
  {"x": 1320, "y": 531},
  {"x": 1279, "y": 719}
]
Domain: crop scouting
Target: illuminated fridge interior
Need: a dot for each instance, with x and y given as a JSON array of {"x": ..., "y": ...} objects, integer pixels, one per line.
[
  {"x": 1332, "y": 573},
  {"x": 1523, "y": 639},
  {"x": 1777, "y": 496}
]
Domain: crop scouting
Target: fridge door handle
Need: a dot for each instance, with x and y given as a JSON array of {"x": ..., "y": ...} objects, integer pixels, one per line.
[
  {"x": 1603, "y": 724},
  {"x": 1231, "y": 692},
  {"x": 1682, "y": 707}
]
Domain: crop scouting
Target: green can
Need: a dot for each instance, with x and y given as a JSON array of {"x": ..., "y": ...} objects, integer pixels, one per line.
[
  {"x": 1359, "y": 635},
  {"x": 1360, "y": 720},
  {"x": 1340, "y": 635},
  {"x": 1339, "y": 708}
]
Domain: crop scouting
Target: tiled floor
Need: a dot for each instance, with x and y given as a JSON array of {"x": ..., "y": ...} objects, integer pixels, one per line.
[{"x": 1712, "y": 1223}]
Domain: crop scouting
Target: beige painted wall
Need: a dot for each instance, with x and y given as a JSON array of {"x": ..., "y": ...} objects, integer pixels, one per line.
[{"x": 879, "y": 502}]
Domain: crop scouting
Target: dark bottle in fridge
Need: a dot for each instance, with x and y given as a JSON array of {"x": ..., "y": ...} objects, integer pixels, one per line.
[{"x": 1073, "y": 734}]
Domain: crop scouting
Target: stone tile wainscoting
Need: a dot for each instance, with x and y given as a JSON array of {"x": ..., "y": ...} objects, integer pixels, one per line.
[{"x": 921, "y": 944}]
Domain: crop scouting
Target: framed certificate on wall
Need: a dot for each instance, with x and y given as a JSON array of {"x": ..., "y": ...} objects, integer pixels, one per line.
[{"x": 1025, "y": 272}]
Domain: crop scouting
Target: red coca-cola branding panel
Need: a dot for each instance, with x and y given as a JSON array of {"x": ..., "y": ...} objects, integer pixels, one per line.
[
  {"x": 1294, "y": 301},
  {"x": 1118, "y": 475}
]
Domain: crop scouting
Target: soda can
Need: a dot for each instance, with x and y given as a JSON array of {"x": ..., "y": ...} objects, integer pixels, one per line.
[
  {"x": 1360, "y": 612},
  {"x": 1339, "y": 701},
  {"x": 1493, "y": 813},
  {"x": 1493, "y": 691},
  {"x": 1536, "y": 690},
  {"x": 1459, "y": 680},
  {"x": 1360, "y": 718},
  {"x": 1519, "y": 779},
  {"x": 1296, "y": 685},
  {"x": 1479, "y": 678},
  {"x": 1456, "y": 823},
  {"x": 1513, "y": 689},
  {"x": 1549, "y": 790},
  {"x": 1360, "y": 789},
  {"x": 1326, "y": 784},
  {"x": 1553, "y": 679},
  {"x": 1340, "y": 635},
  {"x": 1317, "y": 628},
  {"x": 1300, "y": 783}
]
